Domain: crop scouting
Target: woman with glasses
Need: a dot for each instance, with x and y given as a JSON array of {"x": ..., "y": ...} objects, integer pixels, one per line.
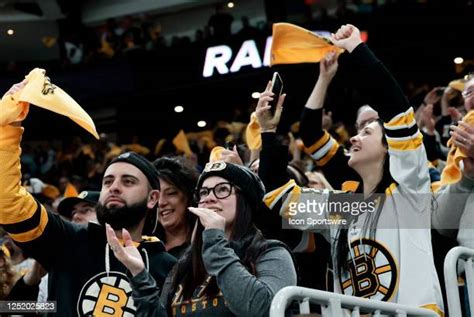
[
  {"x": 175, "y": 222},
  {"x": 230, "y": 269}
]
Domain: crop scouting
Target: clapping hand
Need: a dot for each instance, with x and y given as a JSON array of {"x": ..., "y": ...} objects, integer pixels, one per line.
[
  {"x": 127, "y": 253},
  {"x": 463, "y": 137}
]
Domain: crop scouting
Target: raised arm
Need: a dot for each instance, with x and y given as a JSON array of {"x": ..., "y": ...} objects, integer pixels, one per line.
[
  {"x": 385, "y": 93},
  {"x": 319, "y": 144},
  {"x": 274, "y": 154},
  {"x": 311, "y": 120},
  {"x": 39, "y": 233},
  {"x": 408, "y": 161},
  {"x": 282, "y": 193}
]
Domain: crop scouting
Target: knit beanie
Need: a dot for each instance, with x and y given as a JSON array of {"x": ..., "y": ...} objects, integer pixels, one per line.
[
  {"x": 145, "y": 166},
  {"x": 248, "y": 183}
]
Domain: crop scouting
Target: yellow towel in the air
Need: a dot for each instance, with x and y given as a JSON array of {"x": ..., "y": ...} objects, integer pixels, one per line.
[
  {"x": 252, "y": 133},
  {"x": 292, "y": 44},
  {"x": 41, "y": 92},
  {"x": 216, "y": 154},
  {"x": 181, "y": 143}
]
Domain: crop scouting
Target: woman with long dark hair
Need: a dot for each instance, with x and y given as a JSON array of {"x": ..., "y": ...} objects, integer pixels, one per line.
[
  {"x": 175, "y": 222},
  {"x": 380, "y": 235},
  {"x": 230, "y": 268}
]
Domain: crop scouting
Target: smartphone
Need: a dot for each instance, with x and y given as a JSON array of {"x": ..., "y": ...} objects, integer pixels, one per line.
[{"x": 277, "y": 89}]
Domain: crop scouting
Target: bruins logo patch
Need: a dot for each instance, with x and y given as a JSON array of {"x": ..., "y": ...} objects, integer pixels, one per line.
[
  {"x": 106, "y": 295},
  {"x": 373, "y": 272}
]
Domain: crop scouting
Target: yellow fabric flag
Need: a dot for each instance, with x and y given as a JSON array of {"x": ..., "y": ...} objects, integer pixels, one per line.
[
  {"x": 159, "y": 145},
  {"x": 350, "y": 186},
  {"x": 70, "y": 191},
  {"x": 252, "y": 133},
  {"x": 41, "y": 92},
  {"x": 293, "y": 45},
  {"x": 216, "y": 154},
  {"x": 137, "y": 148},
  {"x": 181, "y": 143},
  {"x": 457, "y": 84},
  {"x": 51, "y": 191},
  {"x": 452, "y": 172}
]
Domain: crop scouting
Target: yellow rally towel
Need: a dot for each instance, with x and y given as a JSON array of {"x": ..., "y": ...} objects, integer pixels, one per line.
[
  {"x": 457, "y": 84},
  {"x": 70, "y": 191},
  {"x": 452, "y": 172},
  {"x": 51, "y": 191},
  {"x": 137, "y": 148},
  {"x": 181, "y": 143},
  {"x": 252, "y": 133},
  {"x": 350, "y": 186},
  {"x": 293, "y": 45},
  {"x": 460, "y": 83},
  {"x": 41, "y": 92},
  {"x": 216, "y": 154},
  {"x": 159, "y": 145}
]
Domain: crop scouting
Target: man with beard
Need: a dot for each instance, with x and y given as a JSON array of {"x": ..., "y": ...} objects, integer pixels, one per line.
[{"x": 85, "y": 277}]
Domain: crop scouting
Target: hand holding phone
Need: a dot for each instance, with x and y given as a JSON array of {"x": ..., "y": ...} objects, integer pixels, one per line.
[{"x": 277, "y": 89}]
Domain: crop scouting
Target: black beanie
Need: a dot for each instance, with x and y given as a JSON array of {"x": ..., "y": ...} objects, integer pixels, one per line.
[
  {"x": 142, "y": 164},
  {"x": 242, "y": 177}
]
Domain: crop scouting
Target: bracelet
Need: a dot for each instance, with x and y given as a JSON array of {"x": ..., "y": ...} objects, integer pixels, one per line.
[{"x": 273, "y": 130}]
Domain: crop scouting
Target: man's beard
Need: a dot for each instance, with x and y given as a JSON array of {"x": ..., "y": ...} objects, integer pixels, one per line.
[{"x": 127, "y": 216}]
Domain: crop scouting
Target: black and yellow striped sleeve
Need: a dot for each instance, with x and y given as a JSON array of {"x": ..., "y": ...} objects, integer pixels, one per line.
[
  {"x": 282, "y": 196},
  {"x": 20, "y": 214},
  {"x": 402, "y": 132},
  {"x": 323, "y": 150},
  {"x": 408, "y": 161}
]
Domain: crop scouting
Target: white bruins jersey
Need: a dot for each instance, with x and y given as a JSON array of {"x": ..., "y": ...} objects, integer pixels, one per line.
[{"x": 396, "y": 263}]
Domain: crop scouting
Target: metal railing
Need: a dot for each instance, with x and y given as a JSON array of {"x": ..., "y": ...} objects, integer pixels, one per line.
[
  {"x": 335, "y": 305},
  {"x": 466, "y": 256}
]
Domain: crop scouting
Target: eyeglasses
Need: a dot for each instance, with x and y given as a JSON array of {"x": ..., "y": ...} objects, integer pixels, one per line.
[
  {"x": 221, "y": 191},
  {"x": 467, "y": 93}
]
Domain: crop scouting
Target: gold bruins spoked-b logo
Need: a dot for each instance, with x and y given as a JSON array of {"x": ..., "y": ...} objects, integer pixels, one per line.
[
  {"x": 373, "y": 271},
  {"x": 106, "y": 295}
]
